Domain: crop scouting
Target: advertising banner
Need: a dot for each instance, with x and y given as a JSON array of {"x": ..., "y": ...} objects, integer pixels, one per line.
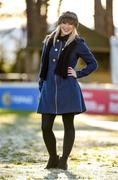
[
  {"x": 25, "y": 97},
  {"x": 101, "y": 101},
  {"x": 19, "y": 97}
]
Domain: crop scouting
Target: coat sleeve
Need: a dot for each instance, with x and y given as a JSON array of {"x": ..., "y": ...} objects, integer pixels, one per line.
[{"x": 88, "y": 57}]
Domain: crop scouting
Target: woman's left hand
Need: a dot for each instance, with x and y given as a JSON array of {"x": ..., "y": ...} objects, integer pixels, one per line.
[{"x": 72, "y": 72}]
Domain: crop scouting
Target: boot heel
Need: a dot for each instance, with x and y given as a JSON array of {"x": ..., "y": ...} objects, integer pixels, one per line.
[
  {"x": 62, "y": 164},
  {"x": 52, "y": 162}
]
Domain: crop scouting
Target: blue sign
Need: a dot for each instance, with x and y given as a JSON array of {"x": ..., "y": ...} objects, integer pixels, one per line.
[{"x": 19, "y": 96}]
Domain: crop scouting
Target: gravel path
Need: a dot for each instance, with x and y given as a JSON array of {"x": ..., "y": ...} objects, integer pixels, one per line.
[{"x": 23, "y": 155}]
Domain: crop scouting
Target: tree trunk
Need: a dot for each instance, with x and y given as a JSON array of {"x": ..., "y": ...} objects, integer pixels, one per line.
[
  {"x": 104, "y": 18},
  {"x": 109, "y": 18},
  {"x": 99, "y": 17},
  {"x": 59, "y": 6},
  {"x": 36, "y": 22},
  {"x": 36, "y": 31}
]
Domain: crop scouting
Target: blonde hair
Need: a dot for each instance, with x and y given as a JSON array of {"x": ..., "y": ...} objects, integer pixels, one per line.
[{"x": 55, "y": 35}]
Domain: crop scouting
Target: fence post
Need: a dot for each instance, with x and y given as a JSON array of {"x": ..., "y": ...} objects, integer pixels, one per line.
[{"x": 114, "y": 59}]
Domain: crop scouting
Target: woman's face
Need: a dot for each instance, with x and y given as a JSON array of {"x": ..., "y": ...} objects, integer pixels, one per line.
[{"x": 66, "y": 28}]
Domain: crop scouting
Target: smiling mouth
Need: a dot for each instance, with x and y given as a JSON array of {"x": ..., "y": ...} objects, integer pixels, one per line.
[{"x": 65, "y": 30}]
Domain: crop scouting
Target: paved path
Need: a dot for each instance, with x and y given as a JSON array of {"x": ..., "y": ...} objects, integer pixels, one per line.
[{"x": 23, "y": 155}]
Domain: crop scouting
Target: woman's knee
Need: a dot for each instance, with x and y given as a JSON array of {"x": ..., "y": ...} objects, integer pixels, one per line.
[
  {"x": 68, "y": 121},
  {"x": 46, "y": 127}
]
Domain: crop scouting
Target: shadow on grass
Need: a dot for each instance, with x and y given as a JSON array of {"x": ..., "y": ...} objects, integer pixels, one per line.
[{"x": 60, "y": 174}]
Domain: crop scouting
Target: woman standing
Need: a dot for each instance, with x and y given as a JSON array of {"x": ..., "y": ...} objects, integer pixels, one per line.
[{"x": 60, "y": 91}]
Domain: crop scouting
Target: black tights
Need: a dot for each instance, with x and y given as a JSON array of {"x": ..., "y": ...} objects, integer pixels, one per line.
[{"x": 49, "y": 137}]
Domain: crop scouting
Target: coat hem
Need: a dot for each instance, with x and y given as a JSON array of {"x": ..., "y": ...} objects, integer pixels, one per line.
[{"x": 77, "y": 112}]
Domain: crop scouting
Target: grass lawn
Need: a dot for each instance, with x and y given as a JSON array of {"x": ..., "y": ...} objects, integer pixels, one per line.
[{"x": 23, "y": 155}]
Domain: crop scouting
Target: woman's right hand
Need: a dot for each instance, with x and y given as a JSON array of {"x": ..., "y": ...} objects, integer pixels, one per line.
[{"x": 72, "y": 72}]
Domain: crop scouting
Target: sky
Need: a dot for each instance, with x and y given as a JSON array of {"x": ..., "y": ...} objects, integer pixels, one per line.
[{"x": 83, "y": 8}]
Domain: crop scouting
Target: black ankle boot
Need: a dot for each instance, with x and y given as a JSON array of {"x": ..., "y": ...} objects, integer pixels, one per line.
[
  {"x": 62, "y": 164},
  {"x": 52, "y": 162}
]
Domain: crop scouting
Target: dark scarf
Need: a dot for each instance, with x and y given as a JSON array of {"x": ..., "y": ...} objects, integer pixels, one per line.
[{"x": 63, "y": 61}]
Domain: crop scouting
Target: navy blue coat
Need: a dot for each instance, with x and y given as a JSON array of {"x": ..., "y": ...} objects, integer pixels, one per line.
[{"x": 59, "y": 95}]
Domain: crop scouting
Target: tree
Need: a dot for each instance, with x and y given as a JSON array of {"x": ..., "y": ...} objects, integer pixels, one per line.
[
  {"x": 36, "y": 30},
  {"x": 36, "y": 21},
  {"x": 59, "y": 7},
  {"x": 104, "y": 18},
  {"x": 109, "y": 18}
]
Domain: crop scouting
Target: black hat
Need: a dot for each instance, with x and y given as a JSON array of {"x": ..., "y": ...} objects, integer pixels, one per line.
[{"x": 70, "y": 17}]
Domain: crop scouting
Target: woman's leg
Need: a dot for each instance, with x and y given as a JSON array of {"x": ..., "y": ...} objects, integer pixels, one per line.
[
  {"x": 48, "y": 135},
  {"x": 49, "y": 139},
  {"x": 69, "y": 136}
]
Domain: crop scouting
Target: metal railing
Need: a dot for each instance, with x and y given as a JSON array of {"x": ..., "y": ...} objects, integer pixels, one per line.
[{"x": 16, "y": 77}]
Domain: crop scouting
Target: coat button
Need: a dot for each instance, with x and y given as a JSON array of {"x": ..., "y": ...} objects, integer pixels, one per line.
[
  {"x": 62, "y": 49},
  {"x": 56, "y": 49},
  {"x": 57, "y": 40},
  {"x": 54, "y": 60}
]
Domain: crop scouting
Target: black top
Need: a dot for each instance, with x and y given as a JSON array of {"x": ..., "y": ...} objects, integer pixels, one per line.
[{"x": 63, "y": 38}]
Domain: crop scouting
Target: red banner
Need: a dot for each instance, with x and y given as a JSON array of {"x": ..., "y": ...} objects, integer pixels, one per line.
[{"x": 101, "y": 101}]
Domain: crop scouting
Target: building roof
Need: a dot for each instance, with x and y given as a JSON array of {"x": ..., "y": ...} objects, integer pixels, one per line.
[{"x": 95, "y": 41}]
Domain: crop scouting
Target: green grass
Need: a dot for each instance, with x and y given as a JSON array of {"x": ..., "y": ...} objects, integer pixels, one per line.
[{"x": 18, "y": 112}]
